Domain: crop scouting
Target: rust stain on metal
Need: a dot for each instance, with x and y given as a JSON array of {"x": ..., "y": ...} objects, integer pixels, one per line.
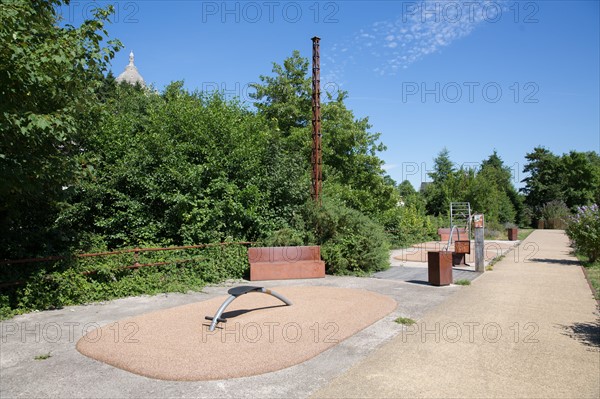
[{"x": 316, "y": 159}]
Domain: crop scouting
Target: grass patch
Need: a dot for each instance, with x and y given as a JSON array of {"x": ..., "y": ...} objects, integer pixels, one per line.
[
  {"x": 43, "y": 357},
  {"x": 524, "y": 233},
  {"x": 592, "y": 271},
  {"x": 502, "y": 234},
  {"x": 405, "y": 321},
  {"x": 463, "y": 282},
  {"x": 490, "y": 266}
]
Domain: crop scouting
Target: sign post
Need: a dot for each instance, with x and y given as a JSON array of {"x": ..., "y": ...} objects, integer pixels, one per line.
[{"x": 478, "y": 224}]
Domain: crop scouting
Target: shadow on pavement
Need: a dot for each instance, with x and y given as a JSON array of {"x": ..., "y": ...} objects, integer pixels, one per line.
[
  {"x": 586, "y": 333},
  {"x": 565, "y": 262},
  {"x": 420, "y": 282}
]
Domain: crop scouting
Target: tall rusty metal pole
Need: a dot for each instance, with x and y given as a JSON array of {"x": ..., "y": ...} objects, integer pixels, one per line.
[{"x": 316, "y": 159}]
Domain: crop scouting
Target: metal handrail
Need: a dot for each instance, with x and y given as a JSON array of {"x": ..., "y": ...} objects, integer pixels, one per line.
[{"x": 451, "y": 235}]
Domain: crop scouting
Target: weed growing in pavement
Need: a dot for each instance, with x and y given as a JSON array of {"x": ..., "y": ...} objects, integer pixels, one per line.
[
  {"x": 405, "y": 321},
  {"x": 43, "y": 356}
]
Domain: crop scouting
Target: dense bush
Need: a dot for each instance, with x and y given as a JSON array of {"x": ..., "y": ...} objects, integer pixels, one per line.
[
  {"x": 351, "y": 243},
  {"x": 555, "y": 214},
  {"x": 406, "y": 225},
  {"x": 49, "y": 76},
  {"x": 82, "y": 280},
  {"x": 584, "y": 231},
  {"x": 286, "y": 237}
]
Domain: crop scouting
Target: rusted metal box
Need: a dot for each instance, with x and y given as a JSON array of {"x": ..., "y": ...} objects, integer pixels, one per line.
[
  {"x": 439, "y": 264},
  {"x": 462, "y": 247}
]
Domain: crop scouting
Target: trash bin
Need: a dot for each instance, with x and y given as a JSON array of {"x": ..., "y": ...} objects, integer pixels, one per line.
[
  {"x": 439, "y": 265},
  {"x": 513, "y": 234}
]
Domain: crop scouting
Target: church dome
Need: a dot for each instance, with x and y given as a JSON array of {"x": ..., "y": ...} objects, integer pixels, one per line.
[{"x": 131, "y": 74}]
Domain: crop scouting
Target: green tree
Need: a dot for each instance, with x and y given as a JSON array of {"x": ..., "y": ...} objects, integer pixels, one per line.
[
  {"x": 489, "y": 189},
  {"x": 439, "y": 192},
  {"x": 285, "y": 97},
  {"x": 443, "y": 167},
  {"x": 352, "y": 170},
  {"x": 50, "y": 78},
  {"x": 406, "y": 189},
  {"x": 486, "y": 196},
  {"x": 542, "y": 184},
  {"x": 572, "y": 178},
  {"x": 579, "y": 178},
  {"x": 185, "y": 168},
  {"x": 509, "y": 204},
  {"x": 351, "y": 165}
]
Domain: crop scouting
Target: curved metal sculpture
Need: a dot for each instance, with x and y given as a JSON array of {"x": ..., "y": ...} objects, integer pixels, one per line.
[{"x": 239, "y": 291}]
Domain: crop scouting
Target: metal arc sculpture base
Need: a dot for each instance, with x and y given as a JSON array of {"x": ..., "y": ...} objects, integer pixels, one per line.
[{"x": 239, "y": 291}]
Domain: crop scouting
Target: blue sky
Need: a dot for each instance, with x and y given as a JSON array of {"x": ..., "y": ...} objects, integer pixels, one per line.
[{"x": 472, "y": 76}]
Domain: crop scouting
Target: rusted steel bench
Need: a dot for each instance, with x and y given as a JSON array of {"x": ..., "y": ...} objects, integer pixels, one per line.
[
  {"x": 283, "y": 263},
  {"x": 459, "y": 234}
]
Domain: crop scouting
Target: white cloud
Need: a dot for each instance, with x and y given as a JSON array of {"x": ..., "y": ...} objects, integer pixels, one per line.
[{"x": 401, "y": 41}]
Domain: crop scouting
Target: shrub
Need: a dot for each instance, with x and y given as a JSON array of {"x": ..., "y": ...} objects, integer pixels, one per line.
[
  {"x": 351, "y": 243},
  {"x": 286, "y": 237},
  {"x": 584, "y": 231},
  {"x": 494, "y": 230},
  {"x": 555, "y": 214},
  {"x": 82, "y": 280},
  {"x": 407, "y": 226}
]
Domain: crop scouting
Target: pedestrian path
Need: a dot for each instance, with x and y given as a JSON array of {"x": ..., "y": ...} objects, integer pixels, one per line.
[
  {"x": 527, "y": 329},
  {"x": 419, "y": 274}
]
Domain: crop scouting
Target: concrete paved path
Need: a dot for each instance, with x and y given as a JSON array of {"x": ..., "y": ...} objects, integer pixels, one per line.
[{"x": 527, "y": 329}]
